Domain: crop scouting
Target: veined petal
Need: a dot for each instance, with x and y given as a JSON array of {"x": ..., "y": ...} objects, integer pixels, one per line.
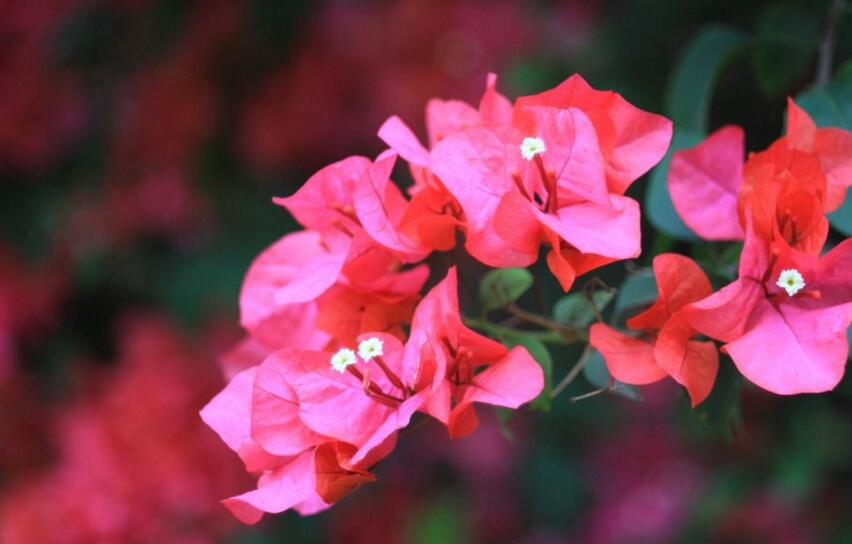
[
  {"x": 608, "y": 231},
  {"x": 277, "y": 490},
  {"x": 629, "y": 360},
  {"x": 229, "y": 414},
  {"x": 789, "y": 350},
  {"x": 704, "y": 182}
]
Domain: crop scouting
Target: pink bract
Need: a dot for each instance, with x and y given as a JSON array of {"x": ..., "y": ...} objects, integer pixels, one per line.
[{"x": 787, "y": 344}]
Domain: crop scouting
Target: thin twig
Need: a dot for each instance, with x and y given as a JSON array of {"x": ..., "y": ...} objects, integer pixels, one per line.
[
  {"x": 590, "y": 394},
  {"x": 826, "y": 48},
  {"x": 589, "y": 293},
  {"x": 573, "y": 373},
  {"x": 547, "y": 323}
]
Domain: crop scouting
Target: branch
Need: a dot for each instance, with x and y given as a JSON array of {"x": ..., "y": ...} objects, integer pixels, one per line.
[
  {"x": 826, "y": 48},
  {"x": 573, "y": 373},
  {"x": 569, "y": 332}
]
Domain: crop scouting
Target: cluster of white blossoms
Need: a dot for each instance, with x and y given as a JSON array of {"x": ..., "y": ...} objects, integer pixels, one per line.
[{"x": 367, "y": 349}]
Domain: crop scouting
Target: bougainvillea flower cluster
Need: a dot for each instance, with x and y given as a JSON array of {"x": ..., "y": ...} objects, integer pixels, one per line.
[
  {"x": 787, "y": 189},
  {"x": 667, "y": 348},
  {"x": 784, "y": 320},
  {"x": 346, "y": 345}
]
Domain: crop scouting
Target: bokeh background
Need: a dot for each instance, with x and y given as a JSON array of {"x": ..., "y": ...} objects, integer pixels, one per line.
[{"x": 141, "y": 142}]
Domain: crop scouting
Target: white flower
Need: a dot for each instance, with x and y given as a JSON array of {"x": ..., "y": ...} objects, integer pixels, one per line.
[
  {"x": 342, "y": 359},
  {"x": 532, "y": 146},
  {"x": 371, "y": 347},
  {"x": 791, "y": 280}
]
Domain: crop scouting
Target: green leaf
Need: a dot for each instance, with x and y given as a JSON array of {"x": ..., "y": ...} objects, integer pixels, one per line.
[
  {"x": 841, "y": 218},
  {"x": 690, "y": 89},
  {"x": 597, "y": 375},
  {"x": 849, "y": 336},
  {"x": 688, "y": 98},
  {"x": 576, "y": 309},
  {"x": 786, "y": 40},
  {"x": 831, "y": 106},
  {"x": 502, "y": 286},
  {"x": 638, "y": 290},
  {"x": 542, "y": 356}
]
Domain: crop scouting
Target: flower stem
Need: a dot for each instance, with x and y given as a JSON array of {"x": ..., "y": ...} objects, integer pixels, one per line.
[
  {"x": 569, "y": 332},
  {"x": 590, "y": 394},
  {"x": 573, "y": 373}
]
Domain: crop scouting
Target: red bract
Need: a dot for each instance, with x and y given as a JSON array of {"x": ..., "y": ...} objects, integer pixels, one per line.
[
  {"x": 704, "y": 182},
  {"x": 434, "y": 213},
  {"x": 666, "y": 348},
  {"x": 356, "y": 197},
  {"x": 784, "y": 192},
  {"x": 787, "y": 189},
  {"x": 310, "y": 415},
  {"x": 258, "y": 410},
  {"x": 631, "y": 140},
  {"x": 784, "y": 320},
  {"x": 444, "y": 353},
  {"x": 832, "y": 146},
  {"x": 290, "y": 293},
  {"x": 556, "y": 174},
  {"x": 314, "y": 422}
]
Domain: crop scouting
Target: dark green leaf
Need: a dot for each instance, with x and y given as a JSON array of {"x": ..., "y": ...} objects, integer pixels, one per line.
[
  {"x": 831, "y": 105},
  {"x": 638, "y": 290},
  {"x": 849, "y": 335},
  {"x": 576, "y": 309},
  {"x": 841, "y": 219},
  {"x": 786, "y": 40},
  {"x": 690, "y": 89},
  {"x": 688, "y": 98},
  {"x": 502, "y": 286}
]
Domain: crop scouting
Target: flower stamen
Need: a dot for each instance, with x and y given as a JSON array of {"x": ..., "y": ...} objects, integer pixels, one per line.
[
  {"x": 371, "y": 347},
  {"x": 532, "y": 146},
  {"x": 791, "y": 280},
  {"x": 343, "y": 359}
]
